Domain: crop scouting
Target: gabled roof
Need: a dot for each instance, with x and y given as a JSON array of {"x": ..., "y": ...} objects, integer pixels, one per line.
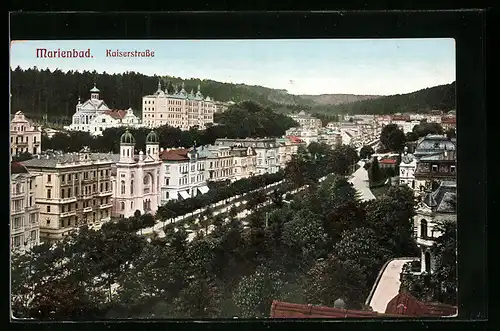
[
  {"x": 116, "y": 114},
  {"x": 175, "y": 155},
  {"x": 441, "y": 200},
  {"x": 17, "y": 168}
]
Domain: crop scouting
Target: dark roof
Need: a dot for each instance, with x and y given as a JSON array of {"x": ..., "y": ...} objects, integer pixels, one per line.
[
  {"x": 17, "y": 168},
  {"x": 441, "y": 199}
]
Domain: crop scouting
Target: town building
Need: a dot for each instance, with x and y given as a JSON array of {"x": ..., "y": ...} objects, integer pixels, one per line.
[
  {"x": 287, "y": 147},
  {"x": 449, "y": 121},
  {"x": 267, "y": 150},
  {"x": 435, "y": 168},
  {"x": 330, "y": 137},
  {"x": 407, "y": 169},
  {"x": 307, "y": 121},
  {"x": 383, "y": 120},
  {"x": 136, "y": 184},
  {"x": 94, "y": 116},
  {"x": 183, "y": 173},
  {"x": 72, "y": 189},
  {"x": 436, "y": 207},
  {"x": 221, "y": 107},
  {"x": 307, "y": 135},
  {"x": 244, "y": 162},
  {"x": 25, "y": 136},
  {"x": 24, "y": 213},
  {"x": 219, "y": 161},
  {"x": 432, "y": 144},
  {"x": 179, "y": 109}
]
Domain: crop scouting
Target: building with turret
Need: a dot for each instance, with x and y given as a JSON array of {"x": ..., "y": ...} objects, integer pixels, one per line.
[
  {"x": 178, "y": 109},
  {"x": 25, "y": 136},
  {"x": 94, "y": 116},
  {"x": 136, "y": 180}
]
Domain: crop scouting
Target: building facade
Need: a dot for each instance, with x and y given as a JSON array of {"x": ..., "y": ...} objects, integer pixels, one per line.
[
  {"x": 267, "y": 150},
  {"x": 24, "y": 213},
  {"x": 183, "y": 173},
  {"x": 180, "y": 109},
  {"x": 25, "y": 136},
  {"x": 244, "y": 162},
  {"x": 307, "y": 135},
  {"x": 72, "y": 189},
  {"x": 437, "y": 206},
  {"x": 307, "y": 121},
  {"x": 407, "y": 169},
  {"x": 136, "y": 185},
  {"x": 219, "y": 162},
  {"x": 94, "y": 116},
  {"x": 287, "y": 147},
  {"x": 435, "y": 168}
]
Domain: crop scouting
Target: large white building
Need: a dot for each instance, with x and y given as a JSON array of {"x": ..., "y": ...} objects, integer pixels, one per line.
[
  {"x": 136, "y": 185},
  {"x": 94, "y": 116},
  {"x": 307, "y": 121},
  {"x": 183, "y": 173},
  {"x": 180, "y": 109},
  {"x": 24, "y": 213},
  {"x": 407, "y": 169},
  {"x": 306, "y": 134},
  {"x": 72, "y": 189},
  {"x": 25, "y": 137}
]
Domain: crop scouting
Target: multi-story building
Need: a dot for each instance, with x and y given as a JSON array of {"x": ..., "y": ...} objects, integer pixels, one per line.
[
  {"x": 25, "y": 136},
  {"x": 449, "y": 121},
  {"x": 330, "y": 137},
  {"x": 136, "y": 185},
  {"x": 287, "y": 147},
  {"x": 94, "y": 116},
  {"x": 432, "y": 144},
  {"x": 221, "y": 107},
  {"x": 435, "y": 168},
  {"x": 72, "y": 189},
  {"x": 183, "y": 173},
  {"x": 180, "y": 109},
  {"x": 219, "y": 162},
  {"x": 307, "y": 121},
  {"x": 307, "y": 135},
  {"x": 407, "y": 169},
  {"x": 244, "y": 162},
  {"x": 266, "y": 149},
  {"x": 437, "y": 206},
  {"x": 24, "y": 213}
]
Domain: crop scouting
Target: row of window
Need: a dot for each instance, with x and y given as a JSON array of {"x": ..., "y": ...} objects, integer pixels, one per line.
[
  {"x": 20, "y": 139},
  {"x": 18, "y": 205},
  {"x": 84, "y": 204},
  {"x": 73, "y": 221},
  {"x": 18, "y": 222},
  {"x": 20, "y": 240}
]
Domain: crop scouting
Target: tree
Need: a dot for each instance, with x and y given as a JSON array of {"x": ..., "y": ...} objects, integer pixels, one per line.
[
  {"x": 147, "y": 220},
  {"x": 374, "y": 173},
  {"x": 411, "y": 136},
  {"x": 331, "y": 279},
  {"x": 451, "y": 133},
  {"x": 445, "y": 274},
  {"x": 392, "y": 138},
  {"x": 201, "y": 298},
  {"x": 24, "y": 156},
  {"x": 425, "y": 128},
  {"x": 366, "y": 152},
  {"x": 255, "y": 293}
]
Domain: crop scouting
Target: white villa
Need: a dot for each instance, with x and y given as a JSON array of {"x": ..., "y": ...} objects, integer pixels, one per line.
[
  {"x": 94, "y": 116},
  {"x": 407, "y": 169}
]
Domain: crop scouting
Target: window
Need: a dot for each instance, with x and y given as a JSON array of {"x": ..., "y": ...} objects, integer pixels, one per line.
[
  {"x": 49, "y": 193},
  {"x": 69, "y": 192},
  {"x": 132, "y": 187},
  {"x": 167, "y": 169},
  {"x": 107, "y": 186},
  {"x": 452, "y": 169},
  {"x": 16, "y": 224},
  {"x": 63, "y": 178},
  {"x": 122, "y": 187},
  {"x": 167, "y": 181},
  {"x": 48, "y": 222},
  {"x": 48, "y": 209},
  {"x": 62, "y": 193},
  {"x": 423, "y": 228},
  {"x": 33, "y": 218},
  {"x": 33, "y": 235},
  {"x": 17, "y": 241},
  {"x": 122, "y": 205},
  {"x": 49, "y": 178},
  {"x": 434, "y": 168},
  {"x": 31, "y": 184}
]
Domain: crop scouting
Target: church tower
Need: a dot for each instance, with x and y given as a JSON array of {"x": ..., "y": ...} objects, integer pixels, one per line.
[
  {"x": 153, "y": 145},
  {"x": 127, "y": 146},
  {"x": 94, "y": 93}
]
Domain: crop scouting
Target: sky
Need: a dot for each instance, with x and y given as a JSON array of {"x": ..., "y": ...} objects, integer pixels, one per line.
[{"x": 300, "y": 66}]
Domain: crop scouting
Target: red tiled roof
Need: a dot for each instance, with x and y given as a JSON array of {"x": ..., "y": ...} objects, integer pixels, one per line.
[
  {"x": 388, "y": 161},
  {"x": 448, "y": 120},
  {"x": 295, "y": 139},
  {"x": 406, "y": 304},
  {"x": 400, "y": 118},
  {"x": 116, "y": 113},
  {"x": 175, "y": 155},
  {"x": 291, "y": 310}
]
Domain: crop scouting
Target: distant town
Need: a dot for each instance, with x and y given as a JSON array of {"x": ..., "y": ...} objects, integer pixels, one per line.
[{"x": 167, "y": 212}]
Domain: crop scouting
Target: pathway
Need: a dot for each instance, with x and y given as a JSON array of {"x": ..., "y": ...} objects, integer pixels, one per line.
[
  {"x": 360, "y": 181},
  {"x": 388, "y": 285}
]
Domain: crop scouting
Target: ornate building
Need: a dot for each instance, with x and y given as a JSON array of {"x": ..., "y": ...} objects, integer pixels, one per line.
[
  {"x": 407, "y": 169},
  {"x": 136, "y": 185},
  {"x": 180, "y": 109},
  {"x": 24, "y": 213},
  {"x": 433, "y": 144},
  {"x": 25, "y": 137},
  {"x": 94, "y": 116},
  {"x": 434, "y": 168}
]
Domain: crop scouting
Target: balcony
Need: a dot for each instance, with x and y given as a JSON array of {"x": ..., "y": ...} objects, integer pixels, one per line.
[
  {"x": 428, "y": 241},
  {"x": 14, "y": 211},
  {"x": 16, "y": 230},
  {"x": 17, "y": 194},
  {"x": 105, "y": 193},
  {"x": 87, "y": 209},
  {"x": 105, "y": 205},
  {"x": 21, "y": 143},
  {"x": 68, "y": 200},
  {"x": 68, "y": 213}
]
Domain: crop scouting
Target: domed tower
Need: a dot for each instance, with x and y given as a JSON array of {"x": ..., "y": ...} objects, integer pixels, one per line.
[
  {"x": 153, "y": 145},
  {"x": 127, "y": 145},
  {"x": 94, "y": 93}
]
